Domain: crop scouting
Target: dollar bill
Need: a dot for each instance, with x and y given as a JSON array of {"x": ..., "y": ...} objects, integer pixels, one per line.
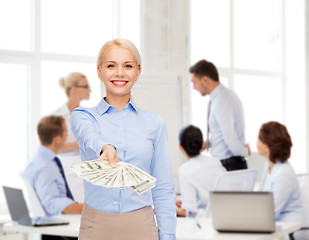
[{"x": 99, "y": 172}]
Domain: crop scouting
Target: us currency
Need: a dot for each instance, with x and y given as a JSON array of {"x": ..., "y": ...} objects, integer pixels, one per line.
[{"x": 99, "y": 172}]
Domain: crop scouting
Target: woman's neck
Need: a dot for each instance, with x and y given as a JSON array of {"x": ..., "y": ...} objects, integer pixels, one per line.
[
  {"x": 118, "y": 102},
  {"x": 271, "y": 166},
  {"x": 72, "y": 104}
]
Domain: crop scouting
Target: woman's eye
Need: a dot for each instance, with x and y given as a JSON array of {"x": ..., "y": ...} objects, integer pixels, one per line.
[
  {"x": 110, "y": 65},
  {"x": 128, "y": 66}
]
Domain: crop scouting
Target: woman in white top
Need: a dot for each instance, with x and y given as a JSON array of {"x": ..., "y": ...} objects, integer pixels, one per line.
[
  {"x": 274, "y": 143},
  {"x": 76, "y": 88},
  {"x": 197, "y": 176}
]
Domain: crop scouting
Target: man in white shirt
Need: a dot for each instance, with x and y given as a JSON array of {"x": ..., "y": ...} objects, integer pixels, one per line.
[
  {"x": 226, "y": 125},
  {"x": 197, "y": 176}
]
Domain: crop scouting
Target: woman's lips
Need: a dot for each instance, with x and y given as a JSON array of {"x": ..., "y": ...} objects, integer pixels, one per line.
[{"x": 119, "y": 83}]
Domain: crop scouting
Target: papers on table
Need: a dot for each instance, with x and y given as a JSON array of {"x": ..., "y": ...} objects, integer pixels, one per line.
[{"x": 99, "y": 172}]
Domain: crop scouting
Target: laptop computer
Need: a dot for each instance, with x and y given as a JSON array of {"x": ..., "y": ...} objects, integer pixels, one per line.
[
  {"x": 19, "y": 211},
  {"x": 251, "y": 212}
]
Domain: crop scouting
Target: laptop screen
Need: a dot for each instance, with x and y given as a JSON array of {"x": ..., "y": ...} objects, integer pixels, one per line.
[
  {"x": 17, "y": 205},
  {"x": 19, "y": 211},
  {"x": 243, "y": 211}
]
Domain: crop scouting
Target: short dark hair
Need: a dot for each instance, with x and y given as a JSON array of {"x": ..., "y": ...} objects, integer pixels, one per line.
[
  {"x": 205, "y": 68},
  {"x": 50, "y": 127},
  {"x": 191, "y": 140},
  {"x": 276, "y": 136}
]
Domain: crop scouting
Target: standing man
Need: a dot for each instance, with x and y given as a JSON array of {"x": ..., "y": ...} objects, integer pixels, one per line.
[{"x": 225, "y": 123}]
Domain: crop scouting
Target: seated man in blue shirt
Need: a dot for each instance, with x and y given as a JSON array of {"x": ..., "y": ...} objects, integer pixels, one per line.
[{"x": 45, "y": 172}]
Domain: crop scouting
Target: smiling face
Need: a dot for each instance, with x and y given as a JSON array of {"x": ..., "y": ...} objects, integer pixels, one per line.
[{"x": 119, "y": 72}]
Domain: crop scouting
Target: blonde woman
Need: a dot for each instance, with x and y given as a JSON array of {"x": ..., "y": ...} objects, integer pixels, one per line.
[
  {"x": 77, "y": 89},
  {"x": 117, "y": 130}
]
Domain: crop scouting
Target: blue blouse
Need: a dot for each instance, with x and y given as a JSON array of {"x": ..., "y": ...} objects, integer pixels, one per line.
[
  {"x": 140, "y": 138},
  {"x": 285, "y": 187}
]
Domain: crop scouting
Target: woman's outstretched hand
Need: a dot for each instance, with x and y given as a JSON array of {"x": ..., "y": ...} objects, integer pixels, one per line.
[{"x": 109, "y": 153}]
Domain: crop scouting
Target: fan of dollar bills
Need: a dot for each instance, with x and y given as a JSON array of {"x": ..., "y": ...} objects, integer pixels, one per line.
[{"x": 99, "y": 172}]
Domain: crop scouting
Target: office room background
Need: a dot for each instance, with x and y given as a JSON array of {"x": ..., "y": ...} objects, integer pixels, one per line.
[{"x": 260, "y": 47}]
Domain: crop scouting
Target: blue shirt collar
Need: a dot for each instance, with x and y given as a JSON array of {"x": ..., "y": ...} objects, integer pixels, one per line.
[
  {"x": 216, "y": 91},
  {"x": 46, "y": 152},
  {"x": 103, "y": 106}
]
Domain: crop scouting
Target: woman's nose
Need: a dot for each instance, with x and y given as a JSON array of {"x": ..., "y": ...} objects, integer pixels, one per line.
[{"x": 119, "y": 72}]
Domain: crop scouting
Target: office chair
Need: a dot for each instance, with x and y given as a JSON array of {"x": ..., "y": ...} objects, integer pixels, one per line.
[
  {"x": 240, "y": 180},
  {"x": 257, "y": 162},
  {"x": 35, "y": 204},
  {"x": 303, "y": 233}
]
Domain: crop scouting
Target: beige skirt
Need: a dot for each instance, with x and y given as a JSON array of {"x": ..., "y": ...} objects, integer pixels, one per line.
[{"x": 136, "y": 225}]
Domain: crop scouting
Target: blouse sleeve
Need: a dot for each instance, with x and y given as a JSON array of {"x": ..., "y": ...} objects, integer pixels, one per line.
[
  {"x": 86, "y": 131},
  {"x": 163, "y": 193},
  {"x": 282, "y": 187}
]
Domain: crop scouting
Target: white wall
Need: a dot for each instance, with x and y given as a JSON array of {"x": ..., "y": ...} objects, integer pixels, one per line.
[
  {"x": 163, "y": 95},
  {"x": 164, "y": 49}
]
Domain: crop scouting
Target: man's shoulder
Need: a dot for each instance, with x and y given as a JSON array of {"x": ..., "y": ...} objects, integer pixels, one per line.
[
  {"x": 227, "y": 94},
  {"x": 35, "y": 169},
  {"x": 226, "y": 101},
  {"x": 39, "y": 162}
]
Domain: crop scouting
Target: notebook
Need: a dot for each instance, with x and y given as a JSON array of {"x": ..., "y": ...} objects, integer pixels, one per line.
[
  {"x": 19, "y": 211},
  {"x": 243, "y": 211}
]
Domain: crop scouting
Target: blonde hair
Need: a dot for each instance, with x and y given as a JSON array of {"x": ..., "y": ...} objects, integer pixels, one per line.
[
  {"x": 70, "y": 81},
  {"x": 120, "y": 42}
]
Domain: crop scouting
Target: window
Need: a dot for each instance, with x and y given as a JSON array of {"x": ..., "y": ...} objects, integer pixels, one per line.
[
  {"x": 66, "y": 29},
  {"x": 14, "y": 122},
  {"x": 260, "y": 55},
  {"x": 210, "y": 31},
  {"x": 17, "y": 34},
  {"x": 267, "y": 101},
  {"x": 14, "y": 118},
  {"x": 257, "y": 40}
]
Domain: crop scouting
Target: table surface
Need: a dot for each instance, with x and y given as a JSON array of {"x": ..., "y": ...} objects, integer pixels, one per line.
[
  {"x": 183, "y": 233},
  {"x": 207, "y": 232}
]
